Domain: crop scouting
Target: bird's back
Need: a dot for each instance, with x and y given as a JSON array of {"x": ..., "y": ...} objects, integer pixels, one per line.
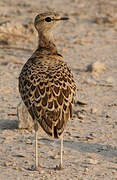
[{"x": 47, "y": 88}]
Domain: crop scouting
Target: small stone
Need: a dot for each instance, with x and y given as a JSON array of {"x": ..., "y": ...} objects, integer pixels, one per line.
[
  {"x": 50, "y": 172},
  {"x": 20, "y": 155},
  {"x": 41, "y": 171},
  {"x": 26, "y": 174},
  {"x": 97, "y": 67},
  {"x": 80, "y": 115},
  {"x": 94, "y": 110},
  {"x": 100, "y": 20},
  {"x": 55, "y": 156},
  {"x": 114, "y": 171},
  {"x": 9, "y": 138},
  {"x": 16, "y": 168},
  {"x": 92, "y": 161},
  {"x": 8, "y": 163},
  {"x": 86, "y": 170},
  {"x": 110, "y": 80}
]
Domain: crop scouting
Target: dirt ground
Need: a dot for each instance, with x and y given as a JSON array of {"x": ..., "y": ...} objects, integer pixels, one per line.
[{"x": 88, "y": 42}]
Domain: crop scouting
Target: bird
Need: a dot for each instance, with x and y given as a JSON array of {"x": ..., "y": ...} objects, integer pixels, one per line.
[{"x": 46, "y": 84}]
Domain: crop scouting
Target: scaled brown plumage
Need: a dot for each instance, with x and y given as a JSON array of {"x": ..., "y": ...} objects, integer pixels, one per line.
[{"x": 47, "y": 88}]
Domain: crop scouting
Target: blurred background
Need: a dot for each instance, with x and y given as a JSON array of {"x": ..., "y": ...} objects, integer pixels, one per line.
[{"x": 88, "y": 42}]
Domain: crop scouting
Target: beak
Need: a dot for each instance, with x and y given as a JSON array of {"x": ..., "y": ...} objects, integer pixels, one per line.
[{"x": 62, "y": 18}]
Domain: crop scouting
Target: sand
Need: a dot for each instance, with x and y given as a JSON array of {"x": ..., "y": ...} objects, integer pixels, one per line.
[{"x": 88, "y": 42}]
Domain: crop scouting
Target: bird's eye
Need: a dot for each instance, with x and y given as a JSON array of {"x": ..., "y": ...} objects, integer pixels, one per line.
[{"x": 48, "y": 19}]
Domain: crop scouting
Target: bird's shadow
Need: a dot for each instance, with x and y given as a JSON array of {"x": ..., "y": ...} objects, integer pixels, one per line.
[
  {"x": 83, "y": 147},
  {"x": 105, "y": 150},
  {"x": 8, "y": 124},
  {"x": 77, "y": 70},
  {"x": 87, "y": 147}
]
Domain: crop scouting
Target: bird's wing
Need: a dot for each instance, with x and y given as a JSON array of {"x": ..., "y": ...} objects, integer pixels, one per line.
[{"x": 48, "y": 90}]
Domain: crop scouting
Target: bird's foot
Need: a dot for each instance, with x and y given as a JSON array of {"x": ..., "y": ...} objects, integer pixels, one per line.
[
  {"x": 33, "y": 168},
  {"x": 60, "y": 167}
]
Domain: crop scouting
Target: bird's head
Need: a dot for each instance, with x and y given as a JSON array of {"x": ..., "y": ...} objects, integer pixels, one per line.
[{"x": 44, "y": 22}]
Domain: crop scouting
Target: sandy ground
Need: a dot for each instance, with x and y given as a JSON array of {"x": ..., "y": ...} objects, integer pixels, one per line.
[{"x": 90, "y": 139}]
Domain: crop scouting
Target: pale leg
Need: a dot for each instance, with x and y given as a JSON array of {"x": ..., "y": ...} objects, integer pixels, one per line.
[
  {"x": 61, "y": 153},
  {"x": 36, "y": 145}
]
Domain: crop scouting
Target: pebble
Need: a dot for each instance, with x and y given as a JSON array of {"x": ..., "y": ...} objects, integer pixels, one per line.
[
  {"x": 86, "y": 170},
  {"x": 110, "y": 80},
  {"x": 8, "y": 163},
  {"x": 94, "y": 110},
  {"x": 92, "y": 161},
  {"x": 16, "y": 168},
  {"x": 98, "y": 67},
  {"x": 55, "y": 156},
  {"x": 80, "y": 115},
  {"x": 41, "y": 171}
]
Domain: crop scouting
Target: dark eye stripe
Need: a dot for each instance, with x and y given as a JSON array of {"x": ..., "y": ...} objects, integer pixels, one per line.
[{"x": 48, "y": 19}]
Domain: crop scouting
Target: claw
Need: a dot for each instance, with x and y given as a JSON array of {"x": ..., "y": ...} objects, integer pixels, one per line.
[
  {"x": 33, "y": 168},
  {"x": 60, "y": 167}
]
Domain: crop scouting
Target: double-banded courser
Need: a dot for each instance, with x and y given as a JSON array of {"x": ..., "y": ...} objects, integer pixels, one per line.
[{"x": 46, "y": 83}]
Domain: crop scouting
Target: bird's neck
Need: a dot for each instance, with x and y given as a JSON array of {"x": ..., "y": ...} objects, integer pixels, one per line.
[{"x": 46, "y": 42}]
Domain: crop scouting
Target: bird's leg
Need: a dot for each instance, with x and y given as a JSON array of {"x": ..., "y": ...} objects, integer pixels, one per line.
[
  {"x": 36, "y": 145},
  {"x": 61, "y": 152},
  {"x": 61, "y": 155}
]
